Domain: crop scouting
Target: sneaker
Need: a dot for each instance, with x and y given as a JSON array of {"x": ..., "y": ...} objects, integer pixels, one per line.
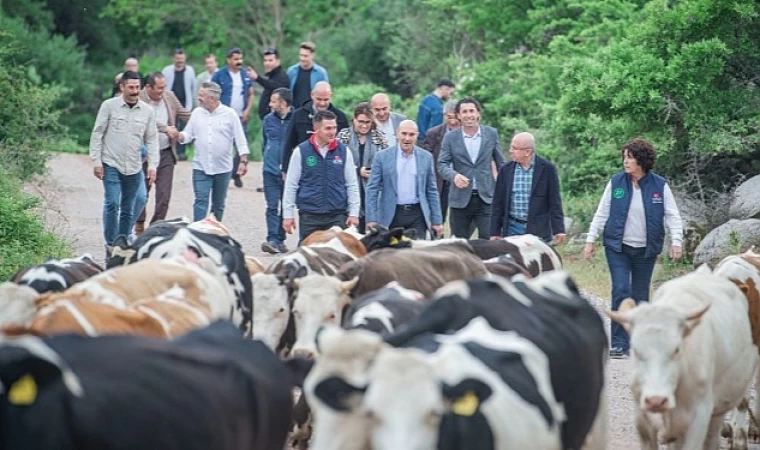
[
  {"x": 618, "y": 353},
  {"x": 269, "y": 248},
  {"x": 259, "y": 189},
  {"x": 238, "y": 182},
  {"x": 139, "y": 228},
  {"x": 282, "y": 248},
  {"x": 109, "y": 250}
]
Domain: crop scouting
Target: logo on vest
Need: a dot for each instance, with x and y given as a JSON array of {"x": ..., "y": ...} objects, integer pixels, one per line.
[
  {"x": 311, "y": 161},
  {"x": 337, "y": 160},
  {"x": 618, "y": 193},
  {"x": 656, "y": 198}
]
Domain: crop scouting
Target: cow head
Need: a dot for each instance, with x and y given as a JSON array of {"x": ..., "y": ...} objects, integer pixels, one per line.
[
  {"x": 121, "y": 253},
  {"x": 17, "y": 304},
  {"x": 271, "y": 309},
  {"x": 210, "y": 225},
  {"x": 381, "y": 237},
  {"x": 317, "y": 300},
  {"x": 657, "y": 338}
]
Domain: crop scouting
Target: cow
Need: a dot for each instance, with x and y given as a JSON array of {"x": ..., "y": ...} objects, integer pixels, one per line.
[
  {"x": 254, "y": 265},
  {"x": 273, "y": 289},
  {"x": 384, "y": 310},
  {"x": 692, "y": 356},
  {"x": 123, "y": 252},
  {"x": 109, "y": 393},
  {"x": 505, "y": 266},
  {"x": 527, "y": 251},
  {"x": 56, "y": 275},
  {"x": 17, "y": 303},
  {"x": 349, "y": 239}
]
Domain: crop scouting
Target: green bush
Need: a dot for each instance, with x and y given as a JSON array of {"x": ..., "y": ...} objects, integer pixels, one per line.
[{"x": 347, "y": 97}]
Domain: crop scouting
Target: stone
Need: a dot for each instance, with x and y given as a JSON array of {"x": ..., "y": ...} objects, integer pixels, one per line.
[
  {"x": 746, "y": 200},
  {"x": 732, "y": 237}
]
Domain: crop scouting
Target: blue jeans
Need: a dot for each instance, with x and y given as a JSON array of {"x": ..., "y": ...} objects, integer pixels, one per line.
[
  {"x": 515, "y": 228},
  {"x": 273, "y": 186},
  {"x": 141, "y": 198},
  {"x": 119, "y": 203},
  {"x": 631, "y": 275},
  {"x": 213, "y": 185}
]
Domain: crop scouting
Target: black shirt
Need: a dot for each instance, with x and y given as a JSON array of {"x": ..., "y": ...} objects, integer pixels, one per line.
[
  {"x": 302, "y": 90},
  {"x": 277, "y": 78},
  {"x": 179, "y": 86}
]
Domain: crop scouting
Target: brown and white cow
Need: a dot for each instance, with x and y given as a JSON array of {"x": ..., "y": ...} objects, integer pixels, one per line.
[
  {"x": 348, "y": 238},
  {"x": 56, "y": 275}
]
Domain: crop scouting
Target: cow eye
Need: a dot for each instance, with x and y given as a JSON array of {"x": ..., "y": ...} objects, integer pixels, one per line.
[
  {"x": 676, "y": 351},
  {"x": 281, "y": 310},
  {"x": 331, "y": 316}
]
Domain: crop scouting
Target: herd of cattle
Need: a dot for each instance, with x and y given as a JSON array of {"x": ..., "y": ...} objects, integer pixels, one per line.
[{"x": 361, "y": 342}]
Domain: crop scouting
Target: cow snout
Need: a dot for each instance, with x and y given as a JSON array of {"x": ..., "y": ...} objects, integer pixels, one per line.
[
  {"x": 656, "y": 404},
  {"x": 303, "y": 353}
]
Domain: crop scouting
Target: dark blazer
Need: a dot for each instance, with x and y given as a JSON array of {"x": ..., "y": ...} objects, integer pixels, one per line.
[
  {"x": 432, "y": 143},
  {"x": 545, "y": 216},
  {"x": 277, "y": 78},
  {"x": 454, "y": 160}
]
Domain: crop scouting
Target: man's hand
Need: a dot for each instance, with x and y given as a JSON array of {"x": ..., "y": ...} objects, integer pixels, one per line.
[
  {"x": 588, "y": 250},
  {"x": 284, "y": 177},
  {"x": 246, "y": 115},
  {"x": 151, "y": 176},
  {"x": 370, "y": 225},
  {"x": 172, "y": 132},
  {"x": 675, "y": 252},
  {"x": 365, "y": 172},
  {"x": 98, "y": 171},
  {"x": 289, "y": 225},
  {"x": 438, "y": 230},
  {"x": 242, "y": 168},
  {"x": 252, "y": 73},
  {"x": 461, "y": 181},
  {"x": 352, "y": 220},
  {"x": 559, "y": 238}
]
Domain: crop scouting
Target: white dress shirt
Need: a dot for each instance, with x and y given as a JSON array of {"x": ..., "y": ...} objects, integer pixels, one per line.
[
  {"x": 237, "y": 101},
  {"x": 214, "y": 133},
  {"x": 472, "y": 143},
  {"x": 406, "y": 178}
]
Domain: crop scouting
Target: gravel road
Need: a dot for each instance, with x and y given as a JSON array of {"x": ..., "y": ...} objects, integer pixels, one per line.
[{"x": 73, "y": 200}]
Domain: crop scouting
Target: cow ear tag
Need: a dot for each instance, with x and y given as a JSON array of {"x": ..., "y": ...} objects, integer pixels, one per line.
[
  {"x": 393, "y": 241},
  {"x": 23, "y": 392},
  {"x": 466, "y": 405}
]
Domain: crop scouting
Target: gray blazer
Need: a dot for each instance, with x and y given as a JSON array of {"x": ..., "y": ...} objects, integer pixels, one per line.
[
  {"x": 454, "y": 160},
  {"x": 396, "y": 119}
]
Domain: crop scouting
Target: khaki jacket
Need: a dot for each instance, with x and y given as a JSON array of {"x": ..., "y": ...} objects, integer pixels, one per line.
[{"x": 176, "y": 111}]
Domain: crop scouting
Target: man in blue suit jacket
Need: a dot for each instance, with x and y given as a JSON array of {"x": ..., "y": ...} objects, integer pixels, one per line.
[{"x": 402, "y": 191}]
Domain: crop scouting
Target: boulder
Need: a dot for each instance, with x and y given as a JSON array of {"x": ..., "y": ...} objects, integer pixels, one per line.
[
  {"x": 732, "y": 237},
  {"x": 746, "y": 201}
]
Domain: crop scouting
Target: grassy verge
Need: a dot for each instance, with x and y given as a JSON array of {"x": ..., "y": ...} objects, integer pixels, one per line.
[{"x": 23, "y": 239}]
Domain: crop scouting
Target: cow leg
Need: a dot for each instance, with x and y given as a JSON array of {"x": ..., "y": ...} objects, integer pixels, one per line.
[
  {"x": 737, "y": 425},
  {"x": 696, "y": 435},
  {"x": 753, "y": 434},
  {"x": 712, "y": 440},
  {"x": 647, "y": 433},
  {"x": 597, "y": 437}
]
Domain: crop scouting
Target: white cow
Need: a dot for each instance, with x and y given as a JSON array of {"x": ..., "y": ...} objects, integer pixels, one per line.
[{"x": 693, "y": 358}]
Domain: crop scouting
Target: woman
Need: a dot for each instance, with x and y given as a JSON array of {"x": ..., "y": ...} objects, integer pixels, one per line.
[
  {"x": 636, "y": 207},
  {"x": 364, "y": 140}
]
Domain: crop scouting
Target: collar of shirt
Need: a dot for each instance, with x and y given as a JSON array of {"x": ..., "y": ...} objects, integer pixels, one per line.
[
  {"x": 124, "y": 103},
  {"x": 403, "y": 154},
  {"x": 474, "y": 136},
  {"x": 332, "y": 145},
  {"x": 530, "y": 166}
]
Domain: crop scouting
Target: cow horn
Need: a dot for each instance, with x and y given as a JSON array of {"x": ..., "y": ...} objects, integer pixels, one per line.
[
  {"x": 348, "y": 286},
  {"x": 698, "y": 312}
]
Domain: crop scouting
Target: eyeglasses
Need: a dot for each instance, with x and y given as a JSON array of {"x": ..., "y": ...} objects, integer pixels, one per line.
[{"x": 363, "y": 122}]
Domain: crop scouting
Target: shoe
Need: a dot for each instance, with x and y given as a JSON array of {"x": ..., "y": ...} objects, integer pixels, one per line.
[
  {"x": 618, "y": 353},
  {"x": 269, "y": 248},
  {"x": 139, "y": 228},
  {"x": 109, "y": 250},
  {"x": 282, "y": 248},
  {"x": 238, "y": 182},
  {"x": 259, "y": 189}
]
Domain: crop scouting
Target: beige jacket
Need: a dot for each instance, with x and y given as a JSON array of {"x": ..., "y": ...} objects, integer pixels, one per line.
[{"x": 176, "y": 111}]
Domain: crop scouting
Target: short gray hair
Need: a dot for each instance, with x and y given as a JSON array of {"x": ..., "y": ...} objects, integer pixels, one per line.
[
  {"x": 451, "y": 107},
  {"x": 212, "y": 88}
]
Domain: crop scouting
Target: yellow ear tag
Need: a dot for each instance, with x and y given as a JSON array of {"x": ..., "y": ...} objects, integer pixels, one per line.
[
  {"x": 466, "y": 405},
  {"x": 23, "y": 392},
  {"x": 393, "y": 241},
  {"x": 405, "y": 239}
]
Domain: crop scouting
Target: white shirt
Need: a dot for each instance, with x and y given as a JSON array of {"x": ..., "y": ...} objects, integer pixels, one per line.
[
  {"x": 635, "y": 232},
  {"x": 294, "y": 178},
  {"x": 236, "y": 100},
  {"x": 162, "y": 118},
  {"x": 388, "y": 131},
  {"x": 406, "y": 178},
  {"x": 472, "y": 143},
  {"x": 214, "y": 133}
]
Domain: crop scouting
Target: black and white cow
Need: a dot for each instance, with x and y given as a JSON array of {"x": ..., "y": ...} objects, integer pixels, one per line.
[
  {"x": 384, "y": 310},
  {"x": 490, "y": 365},
  {"x": 123, "y": 252},
  {"x": 209, "y": 389},
  {"x": 57, "y": 275}
]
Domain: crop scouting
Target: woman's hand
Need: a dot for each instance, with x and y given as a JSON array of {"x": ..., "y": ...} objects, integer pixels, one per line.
[
  {"x": 588, "y": 250},
  {"x": 675, "y": 252}
]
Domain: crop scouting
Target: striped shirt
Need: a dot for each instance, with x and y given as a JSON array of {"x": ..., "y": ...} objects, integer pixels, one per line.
[{"x": 521, "y": 187}]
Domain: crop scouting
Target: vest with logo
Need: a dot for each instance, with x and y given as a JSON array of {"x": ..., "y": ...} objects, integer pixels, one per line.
[
  {"x": 322, "y": 188},
  {"x": 652, "y": 191}
]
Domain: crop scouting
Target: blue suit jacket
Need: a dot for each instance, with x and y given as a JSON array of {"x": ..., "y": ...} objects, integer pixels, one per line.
[{"x": 381, "y": 194}]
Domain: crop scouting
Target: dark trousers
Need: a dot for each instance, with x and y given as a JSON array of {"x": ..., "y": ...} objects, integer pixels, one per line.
[
  {"x": 477, "y": 213},
  {"x": 311, "y": 222},
  {"x": 181, "y": 147},
  {"x": 273, "y": 186},
  {"x": 410, "y": 217},
  {"x": 164, "y": 183},
  {"x": 631, "y": 275},
  {"x": 444, "y": 194}
]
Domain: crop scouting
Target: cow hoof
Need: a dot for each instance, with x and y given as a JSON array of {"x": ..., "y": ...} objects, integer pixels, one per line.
[{"x": 726, "y": 431}]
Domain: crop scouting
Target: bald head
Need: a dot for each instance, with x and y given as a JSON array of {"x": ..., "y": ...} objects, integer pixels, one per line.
[
  {"x": 131, "y": 64},
  {"x": 523, "y": 147},
  {"x": 406, "y": 135},
  {"x": 321, "y": 95},
  {"x": 381, "y": 106}
]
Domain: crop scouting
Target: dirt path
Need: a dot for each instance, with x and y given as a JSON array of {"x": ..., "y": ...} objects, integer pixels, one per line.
[{"x": 74, "y": 199}]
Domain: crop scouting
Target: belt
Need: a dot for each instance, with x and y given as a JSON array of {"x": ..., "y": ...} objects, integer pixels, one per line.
[
  {"x": 408, "y": 207},
  {"x": 167, "y": 148},
  {"x": 474, "y": 192},
  {"x": 515, "y": 219}
]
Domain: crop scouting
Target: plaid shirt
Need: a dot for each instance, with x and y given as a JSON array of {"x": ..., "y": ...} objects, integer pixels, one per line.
[{"x": 523, "y": 182}]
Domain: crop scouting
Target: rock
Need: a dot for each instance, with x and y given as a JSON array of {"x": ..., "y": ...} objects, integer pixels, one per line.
[
  {"x": 732, "y": 237},
  {"x": 746, "y": 201}
]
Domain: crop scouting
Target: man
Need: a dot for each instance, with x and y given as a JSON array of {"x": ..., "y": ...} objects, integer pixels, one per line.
[
  {"x": 168, "y": 111},
  {"x": 432, "y": 143},
  {"x": 387, "y": 120},
  {"x": 321, "y": 182},
  {"x": 215, "y": 128},
  {"x": 301, "y": 125},
  {"x": 180, "y": 79},
  {"x": 305, "y": 75},
  {"x": 465, "y": 161},
  {"x": 274, "y": 78},
  {"x": 430, "y": 112},
  {"x": 211, "y": 67},
  {"x": 401, "y": 191},
  {"x": 526, "y": 199},
  {"x": 130, "y": 65},
  {"x": 237, "y": 93},
  {"x": 123, "y": 125},
  {"x": 274, "y": 126}
]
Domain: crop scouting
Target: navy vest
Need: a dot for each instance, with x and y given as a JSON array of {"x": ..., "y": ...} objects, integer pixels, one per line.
[
  {"x": 322, "y": 188},
  {"x": 652, "y": 194}
]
